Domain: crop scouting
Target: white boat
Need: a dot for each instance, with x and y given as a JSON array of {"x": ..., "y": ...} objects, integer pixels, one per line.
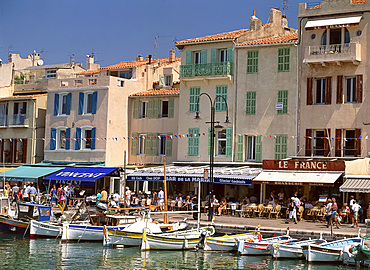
[
  {"x": 357, "y": 254},
  {"x": 227, "y": 242},
  {"x": 180, "y": 240},
  {"x": 329, "y": 252},
  {"x": 292, "y": 250},
  {"x": 261, "y": 247},
  {"x": 133, "y": 233},
  {"x": 45, "y": 229},
  {"x": 88, "y": 232}
]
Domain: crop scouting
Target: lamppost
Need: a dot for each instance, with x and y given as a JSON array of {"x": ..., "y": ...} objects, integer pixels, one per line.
[{"x": 212, "y": 144}]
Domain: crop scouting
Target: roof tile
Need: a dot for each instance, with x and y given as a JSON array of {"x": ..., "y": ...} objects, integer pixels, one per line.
[
  {"x": 158, "y": 92},
  {"x": 272, "y": 40},
  {"x": 221, "y": 36},
  {"x": 130, "y": 64}
]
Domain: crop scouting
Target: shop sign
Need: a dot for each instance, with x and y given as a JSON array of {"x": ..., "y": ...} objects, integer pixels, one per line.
[{"x": 304, "y": 165}]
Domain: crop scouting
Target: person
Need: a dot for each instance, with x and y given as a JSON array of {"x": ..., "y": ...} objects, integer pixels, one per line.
[
  {"x": 355, "y": 208},
  {"x": 26, "y": 189},
  {"x": 334, "y": 209},
  {"x": 328, "y": 212},
  {"x": 15, "y": 190},
  {"x": 53, "y": 195},
  {"x": 222, "y": 206},
  {"x": 344, "y": 213},
  {"x": 20, "y": 194},
  {"x": 128, "y": 196},
  {"x": 281, "y": 196},
  {"x": 245, "y": 201},
  {"x": 178, "y": 201},
  {"x": 67, "y": 190},
  {"x": 155, "y": 198},
  {"x": 7, "y": 189},
  {"x": 61, "y": 196},
  {"x": 104, "y": 196},
  {"x": 253, "y": 199},
  {"x": 351, "y": 202},
  {"x": 72, "y": 193},
  {"x": 98, "y": 197},
  {"x": 161, "y": 198},
  {"x": 292, "y": 210}
]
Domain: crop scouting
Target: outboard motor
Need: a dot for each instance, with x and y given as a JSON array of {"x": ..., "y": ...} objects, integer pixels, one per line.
[
  {"x": 202, "y": 240},
  {"x": 102, "y": 206}
]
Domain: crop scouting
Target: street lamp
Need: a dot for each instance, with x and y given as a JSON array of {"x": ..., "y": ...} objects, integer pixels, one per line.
[{"x": 212, "y": 144}]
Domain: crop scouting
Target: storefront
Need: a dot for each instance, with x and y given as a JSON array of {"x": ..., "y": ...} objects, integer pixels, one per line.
[{"x": 307, "y": 177}]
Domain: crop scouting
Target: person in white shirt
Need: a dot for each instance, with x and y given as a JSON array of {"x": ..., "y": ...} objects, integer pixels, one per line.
[
  {"x": 161, "y": 198},
  {"x": 128, "y": 197},
  {"x": 355, "y": 208}
]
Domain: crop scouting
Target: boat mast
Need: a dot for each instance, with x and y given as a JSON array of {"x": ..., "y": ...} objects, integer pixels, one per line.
[{"x": 165, "y": 217}]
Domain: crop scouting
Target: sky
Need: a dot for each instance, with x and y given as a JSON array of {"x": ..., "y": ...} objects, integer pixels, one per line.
[{"x": 119, "y": 30}]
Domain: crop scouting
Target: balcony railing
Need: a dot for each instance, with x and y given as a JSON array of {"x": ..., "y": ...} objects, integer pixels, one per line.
[
  {"x": 349, "y": 52},
  {"x": 18, "y": 120},
  {"x": 211, "y": 69}
]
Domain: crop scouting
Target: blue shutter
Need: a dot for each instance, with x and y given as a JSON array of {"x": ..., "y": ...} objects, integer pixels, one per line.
[
  {"x": 68, "y": 138},
  {"x": 69, "y": 99},
  {"x": 213, "y": 55},
  {"x": 53, "y": 137},
  {"x": 95, "y": 101},
  {"x": 203, "y": 57},
  {"x": 229, "y": 141},
  {"x": 229, "y": 54},
  {"x": 188, "y": 58},
  {"x": 78, "y": 139},
  {"x": 56, "y": 104},
  {"x": 93, "y": 135},
  {"x": 81, "y": 103}
]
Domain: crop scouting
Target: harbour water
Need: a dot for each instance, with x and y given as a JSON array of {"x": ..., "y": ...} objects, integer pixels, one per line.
[{"x": 18, "y": 253}]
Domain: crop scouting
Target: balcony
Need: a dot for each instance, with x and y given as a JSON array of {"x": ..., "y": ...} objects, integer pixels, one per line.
[
  {"x": 335, "y": 53},
  {"x": 217, "y": 70},
  {"x": 18, "y": 120},
  {"x": 30, "y": 85}
]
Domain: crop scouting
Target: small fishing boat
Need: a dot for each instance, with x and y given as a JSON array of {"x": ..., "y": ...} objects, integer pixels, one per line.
[
  {"x": 227, "y": 242},
  {"x": 292, "y": 250},
  {"x": 357, "y": 254},
  {"x": 181, "y": 240},
  {"x": 39, "y": 229},
  {"x": 329, "y": 252}
]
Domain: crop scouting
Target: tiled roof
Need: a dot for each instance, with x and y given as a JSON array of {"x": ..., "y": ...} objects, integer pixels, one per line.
[
  {"x": 87, "y": 72},
  {"x": 354, "y": 2},
  {"x": 318, "y": 6},
  {"x": 221, "y": 36},
  {"x": 158, "y": 92},
  {"x": 23, "y": 96},
  {"x": 273, "y": 40},
  {"x": 130, "y": 64}
]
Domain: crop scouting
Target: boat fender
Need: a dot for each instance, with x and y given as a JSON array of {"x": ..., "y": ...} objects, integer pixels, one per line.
[
  {"x": 202, "y": 239},
  {"x": 240, "y": 246}
]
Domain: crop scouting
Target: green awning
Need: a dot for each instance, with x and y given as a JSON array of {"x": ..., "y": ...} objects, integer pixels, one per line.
[{"x": 28, "y": 173}]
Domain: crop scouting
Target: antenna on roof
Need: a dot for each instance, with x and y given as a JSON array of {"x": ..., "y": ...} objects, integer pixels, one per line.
[
  {"x": 156, "y": 45},
  {"x": 174, "y": 42},
  {"x": 285, "y": 6}
]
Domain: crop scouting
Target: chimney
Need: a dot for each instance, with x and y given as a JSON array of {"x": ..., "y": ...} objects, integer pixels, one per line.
[
  {"x": 149, "y": 59},
  {"x": 284, "y": 21},
  {"x": 275, "y": 16},
  {"x": 139, "y": 58},
  {"x": 90, "y": 65},
  {"x": 255, "y": 24},
  {"x": 172, "y": 56}
]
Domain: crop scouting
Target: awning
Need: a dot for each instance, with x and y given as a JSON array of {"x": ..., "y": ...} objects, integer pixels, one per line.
[
  {"x": 361, "y": 185},
  {"x": 78, "y": 175},
  {"x": 28, "y": 173},
  {"x": 223, "y": 175},
  {"x": 5, "y": 169},
  {"x": 337, "y": 22},
  {"x": 297, "y": 178}
]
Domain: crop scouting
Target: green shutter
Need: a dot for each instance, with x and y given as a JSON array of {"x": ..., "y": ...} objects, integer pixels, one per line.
[
  {"x": 213, "y": 55},
  {"x": 221, "y": 90},
  {"x": 284, "y": 59},
  {"x": 196, "y": 142},
  {"x": 251, "y": 103},
  {"x": 154, "y": 148},
  {"x": 169, "y": 145},
  {"x": 258, "y": 148},
  {"x": 171, "y": 108},
  {"x": 281, "y": 146},
  {"x": 229, "y": 142},
  {"x": 193, "y": 142},
  {"x": 171, "y": 82},
  {"x": 134, "y": 143},
  {"x": 283, "y": 97},
  {"x": 137, "y": 104},
  {"x": 230, "y": 54},
  {"x": 194, "y": 99},
  {"x": 209, "y": 141},
  {"x": 203, "y": 57},
  {"x": 156, "y": 108},
  {"x": 190, "y": 143},
  {"x": 149, "y": 109},
  {"x": 252, "y": 62},
  {"x": 148, "y": 144},
  {"x": 239, "y": 156},
  {"x": 188, "y": 58},
  {"x": 161, "y": 80}
]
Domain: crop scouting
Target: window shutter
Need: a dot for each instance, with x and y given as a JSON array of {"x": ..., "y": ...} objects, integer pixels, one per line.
[
  {"x": 134, "y": 143},
  {"x": 209, "y": 141},
  {"x": 251, "y": 103},
  {"x": 169, "y": 145},
  {"x": 285, "y": 101},
  {"x": 277, "y": 147},
  {"x": 171, "y": 109},
  {"x": 81, "y": 103},
  {"x": 309, "y": 91},
  {"x": 188, "y": 58},
  {"x": 239, "y": 155},
  {"x": 284, "y": 147},
  {"x": 56, "y": 104},
  {"x": 150, "y": 109},
  {"x": 78, "y": 139},
  {"x": 308, "y": 142},
  {"x": 24, "y": 151},
  {"x": 53, "y": 137},
  {"x": 328, "y": 90},
  {"x": 190, "y": 143},
  {"x": 203, "y": 57},
  {"x": 280, "y": 60},
  {"x": 258, "y": 148},
  {"x": 326, "y": 142},
  {"x": 171, "y": 80},
  {"x": 156, "y": 108},
  {"x": 161, "y": 80},
  {"x": 286, "y": 59},
  {"x": 196, "y": 142},
  {"x": 69, "y": 100},
  {"x": 359, "y": 87},
  {"x": 338, "y": 142},
  {"x": 95, "y": 101},
  {"x": 340, "y": 89},
  {"x": 93, "y": 136},
  {"x": 229, "y": 142},
  {"x": 154, "y": 144},
  {"x": 230, "y": 54},
  {"x": 136, "y": 109},
  {"x": 357, "y": 142},
  {"x": 148, "y": 143},
  {"x": 213, "y": 55},
  {"x": 221, "y": 90},
  {"x": 68, "y": 138}
]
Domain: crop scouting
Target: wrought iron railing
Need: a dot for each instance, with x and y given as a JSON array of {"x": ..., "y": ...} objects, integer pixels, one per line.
[
  {"x": 18, "y": 120},
  {"x": 211, "y": 69},
  {"x": 330, "y": 49}
]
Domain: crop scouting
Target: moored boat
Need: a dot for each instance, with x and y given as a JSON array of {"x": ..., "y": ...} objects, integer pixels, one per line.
[
  {"x": 261, "y": 247},
  {"x": 357, "y": 254},
  {"x": 40, "y": 229},
  {"x": 227, "y": 242},
  {"x": 292, "y": 250}
]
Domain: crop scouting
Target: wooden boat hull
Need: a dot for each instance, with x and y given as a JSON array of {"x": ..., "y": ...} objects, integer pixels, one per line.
[
  {"x": 227, "y": 244},
  {"x": 261, "y": 247},
  {"x": 291, "y": 250},
  {"x": 12, "y": 226},
  {"x": 45, "y": 230},
  {"x": 116, "y": 237}
]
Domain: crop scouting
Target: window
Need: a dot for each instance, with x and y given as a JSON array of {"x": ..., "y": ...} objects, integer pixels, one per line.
[
  {"x": 61, "y": 138},
  {"x": 221, "y": 90},
  {"x": 141, "y": 144},
  {"x": 3, "y": 114},
  {"x": 349, "y": 143},
  {"x": 283, "y": 60},
  {"x": 19, "y": 113},
  {"x": 320, "y": 91},
  {"x": 87, "y": 138},
  {"x": 63, "y": 99},
  {"x": 252, "y": 62},
  {"x": 143, "y": 109},
  {"x": 64, "y": 83},
  {"x": 162, "y": 145},
  {"x": 78, "y": 82},
  {"x": 221, "y": 143},
  {"x": 120, "y": 83},
  {"x": 197, "y": 57},
  {"x": 251, "y": 103},
  {"x": 194, "y": 99},
  {"x": 93, "y": 81},
  {"x": 319, "y": 143},
  {"x": 125, "y": 74},
  {"x": 193, "y": 142},
  {"x": 51, "y": 74},
  {"x": 168, "y": 80},
  {"x": 350, "y": 94},
  {"x": 334, "y": 37},
  {"x": 283, "y": 98},
  {"x": 223, "y": 56},
  {"x": 164, "y": 108},
  {"x": 87, "y": 102},
  {"x": 250, "y": 148},
  {"x": 280, "y": 146}
]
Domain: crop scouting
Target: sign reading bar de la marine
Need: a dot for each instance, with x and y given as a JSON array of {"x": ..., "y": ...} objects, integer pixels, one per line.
[{"x": 304, "y": 165}]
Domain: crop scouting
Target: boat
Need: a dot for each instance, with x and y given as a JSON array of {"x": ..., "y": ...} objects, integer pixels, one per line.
[
  {"x": 329, "y": 252},
  {"x": 39, "y": 229},
  {"x": 227, "y": 242},
  {"x": 133, "y": 233},
  {"x": 292, "y": 250},
  {"x": 20, "y": 222},
  {"x": 357, "y": 254},
  {"x": 181, "y": 240}
]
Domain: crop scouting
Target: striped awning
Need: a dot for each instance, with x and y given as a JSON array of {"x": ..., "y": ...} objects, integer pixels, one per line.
[
  {"x": 335, "y": 22},
  {"x": 361, "y": 185}
]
